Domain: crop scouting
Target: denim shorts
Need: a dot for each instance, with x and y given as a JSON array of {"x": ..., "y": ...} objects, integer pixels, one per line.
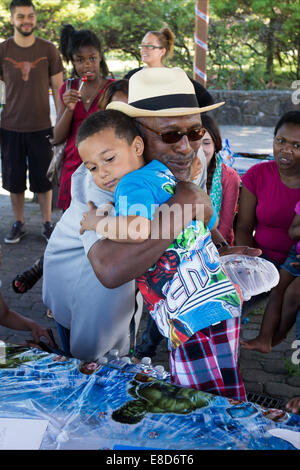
[{"x": 292, "y": 258}]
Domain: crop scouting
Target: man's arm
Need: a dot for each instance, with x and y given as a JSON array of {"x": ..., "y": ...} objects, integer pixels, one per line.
[
  {"x": 116, "y": 263},
  {"x": 56, "y": 82}
]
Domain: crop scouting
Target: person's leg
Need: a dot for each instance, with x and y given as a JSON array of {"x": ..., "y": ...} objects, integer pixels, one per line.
[
  {"x": 208, "y": 361},
  {"x": 271, "y": 317},
  {"x": 290, "y": 307}
]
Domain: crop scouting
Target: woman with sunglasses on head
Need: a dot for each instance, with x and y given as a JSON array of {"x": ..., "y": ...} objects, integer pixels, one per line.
[
  {"x": 83, "y": 49},
  {"x": 222, "y": 182}
]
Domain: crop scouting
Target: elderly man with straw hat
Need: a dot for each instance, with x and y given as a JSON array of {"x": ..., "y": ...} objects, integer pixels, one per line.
[{"x": 165, "y": 107}]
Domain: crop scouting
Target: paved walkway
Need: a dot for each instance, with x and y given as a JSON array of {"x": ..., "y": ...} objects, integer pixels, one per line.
[{"x": 271, "y": 374}]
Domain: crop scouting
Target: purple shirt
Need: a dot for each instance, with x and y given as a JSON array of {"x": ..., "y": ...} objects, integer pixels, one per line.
[{"x": 275, "y": 209}]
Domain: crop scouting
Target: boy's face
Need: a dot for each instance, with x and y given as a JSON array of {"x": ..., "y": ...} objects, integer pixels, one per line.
[{"x": 109, "y": 157}]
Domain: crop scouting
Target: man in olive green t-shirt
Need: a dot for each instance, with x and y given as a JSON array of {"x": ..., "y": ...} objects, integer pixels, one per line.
[{"x": 28, "y": 65}]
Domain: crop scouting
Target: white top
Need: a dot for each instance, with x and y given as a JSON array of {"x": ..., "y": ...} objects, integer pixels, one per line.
[{"x": 98, "y": 317}]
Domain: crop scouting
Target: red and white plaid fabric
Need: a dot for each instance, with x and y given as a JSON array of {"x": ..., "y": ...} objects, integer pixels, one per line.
[{"x": 208, "y": 361}]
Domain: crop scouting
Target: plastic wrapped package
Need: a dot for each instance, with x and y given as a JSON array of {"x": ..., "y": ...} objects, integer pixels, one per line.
[{"x": 253, "y": 275}]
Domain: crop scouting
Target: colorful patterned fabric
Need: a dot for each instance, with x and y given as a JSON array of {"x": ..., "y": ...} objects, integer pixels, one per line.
[
  {"x": 187, "y": 289},
  {"x": 208, "y": 361}
]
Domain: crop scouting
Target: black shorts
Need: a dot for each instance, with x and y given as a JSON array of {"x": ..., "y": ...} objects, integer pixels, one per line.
[{"x": 26, "y": 150}]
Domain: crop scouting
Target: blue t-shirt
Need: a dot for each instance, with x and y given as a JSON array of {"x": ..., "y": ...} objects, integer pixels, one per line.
[{"x": 187, "y": 289}]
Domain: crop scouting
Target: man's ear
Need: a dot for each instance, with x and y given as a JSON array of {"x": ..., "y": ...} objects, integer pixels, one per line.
[{"x": 138, "y": 144}]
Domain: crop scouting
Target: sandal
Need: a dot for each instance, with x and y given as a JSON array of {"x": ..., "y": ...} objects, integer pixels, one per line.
[{"x": 25, "y": 281}]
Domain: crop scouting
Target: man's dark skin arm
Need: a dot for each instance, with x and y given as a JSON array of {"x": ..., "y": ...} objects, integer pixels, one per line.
[{"x": 116, "y": 263}]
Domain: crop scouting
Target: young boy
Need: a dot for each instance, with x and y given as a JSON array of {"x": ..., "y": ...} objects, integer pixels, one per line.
[
  {"x": 284, "y": 303},
  {"x": 13, "y": 320},
  {"x": 190, "y": 297}
]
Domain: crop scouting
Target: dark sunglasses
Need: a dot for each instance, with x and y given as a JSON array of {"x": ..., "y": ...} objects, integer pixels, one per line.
[{"x": 172, "y": 137}]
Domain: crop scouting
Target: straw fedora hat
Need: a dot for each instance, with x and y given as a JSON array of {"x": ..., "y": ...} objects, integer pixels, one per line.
[{"x": 161, "y": 91}]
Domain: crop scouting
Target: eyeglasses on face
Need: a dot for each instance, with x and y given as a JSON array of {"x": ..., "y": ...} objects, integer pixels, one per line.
[
  {"x": 150, "y": 47},
  {"x": 172, "y": 137}
]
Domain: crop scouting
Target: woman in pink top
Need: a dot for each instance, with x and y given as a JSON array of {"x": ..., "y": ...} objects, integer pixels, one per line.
[
  {"x": 222, "y": 181},
  {"x": 83, "y": 49},
  {"x": 269, "y": 196}
]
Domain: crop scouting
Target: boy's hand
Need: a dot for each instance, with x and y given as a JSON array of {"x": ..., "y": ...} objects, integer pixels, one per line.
[
  {"x": 196, "y": 168},
  {"x": 91, "y": 218}
]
